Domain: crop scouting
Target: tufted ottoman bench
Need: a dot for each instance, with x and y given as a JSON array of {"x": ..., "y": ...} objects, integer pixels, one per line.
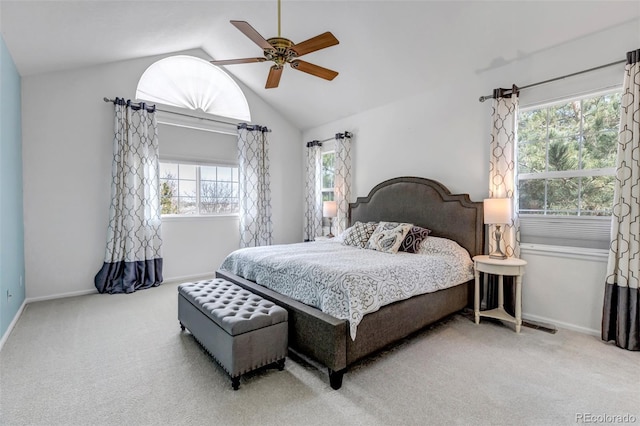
[{"x": 241, "y": 330}]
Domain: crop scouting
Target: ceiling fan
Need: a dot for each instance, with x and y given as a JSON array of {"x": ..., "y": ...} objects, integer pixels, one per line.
[{"x": 281, "y": 51}]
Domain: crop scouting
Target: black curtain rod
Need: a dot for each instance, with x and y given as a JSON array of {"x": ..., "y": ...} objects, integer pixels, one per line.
[
  {"x": 180, "y": 113},
  {"x": 623, "y": 61},
  {"x": 336, "y": 136}
]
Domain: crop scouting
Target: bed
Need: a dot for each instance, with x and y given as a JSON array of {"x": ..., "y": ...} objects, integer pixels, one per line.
[{"x": 328, "y": 339}]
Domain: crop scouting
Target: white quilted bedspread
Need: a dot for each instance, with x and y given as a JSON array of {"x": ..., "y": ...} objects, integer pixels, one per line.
[{"x": 348, "y": 282}]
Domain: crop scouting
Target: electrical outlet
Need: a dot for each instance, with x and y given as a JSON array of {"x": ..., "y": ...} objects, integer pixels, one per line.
[
  {"x": 8, "y": 295},
  {"x": 21, "y": 280}
]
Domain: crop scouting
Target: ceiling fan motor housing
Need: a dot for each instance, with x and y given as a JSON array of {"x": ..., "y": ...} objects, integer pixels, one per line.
[{"x": 281, "y": 52}]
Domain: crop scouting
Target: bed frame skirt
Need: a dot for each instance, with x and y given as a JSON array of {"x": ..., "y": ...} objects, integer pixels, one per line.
[{"x": 326, "y": 339}]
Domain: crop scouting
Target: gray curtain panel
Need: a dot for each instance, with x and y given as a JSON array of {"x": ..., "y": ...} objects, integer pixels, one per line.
[
  {"x": 255, "y": 186},
  {"x": 621, "y": 314},
  {"x": 313, "y": 192},
  {"x": 133, "y": 258}
]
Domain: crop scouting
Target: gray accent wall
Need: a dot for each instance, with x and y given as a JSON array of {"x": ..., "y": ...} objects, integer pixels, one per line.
[{"x": 12, "y": 293}]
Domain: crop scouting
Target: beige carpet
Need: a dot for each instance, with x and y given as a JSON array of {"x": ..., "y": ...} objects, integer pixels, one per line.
[{"x": 122, "y": 360}]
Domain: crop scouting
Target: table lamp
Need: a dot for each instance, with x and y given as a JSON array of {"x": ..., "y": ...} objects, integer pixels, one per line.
[
  {"x": 497, "y": 211},
  {"x": 330, "y": 210}
]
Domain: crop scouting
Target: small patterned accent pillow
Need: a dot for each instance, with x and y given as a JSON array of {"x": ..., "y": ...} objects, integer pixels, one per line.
[
  {"x": 415, "y": 237},
  {"x": 358, "y": 234},
  {"x": 388, "y": 236}
]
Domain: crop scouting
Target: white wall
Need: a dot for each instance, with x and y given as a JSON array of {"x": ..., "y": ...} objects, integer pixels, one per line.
[
  {"x": 566, "y": 290},
  {"x": 443, "y": 134},
  {"x": 67, "y": 150}
]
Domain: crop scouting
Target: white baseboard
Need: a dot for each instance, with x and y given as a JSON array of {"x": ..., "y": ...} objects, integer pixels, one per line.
[
  {"x": 187, "y": 278},
  {"x": 561, "y": 324},
  {"x": 6, "y": 334},
  {"x": 181, "y": 279},
  {"x": 61, "y": 295}
]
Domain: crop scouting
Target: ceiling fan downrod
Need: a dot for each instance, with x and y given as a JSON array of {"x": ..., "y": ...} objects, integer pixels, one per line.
[{"x": 279, "y": 18}]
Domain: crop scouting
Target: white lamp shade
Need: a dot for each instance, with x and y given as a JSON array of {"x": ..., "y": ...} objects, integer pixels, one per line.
[
  {"x": 329, "y": 209},
  {"x": 497, "y": 211}
]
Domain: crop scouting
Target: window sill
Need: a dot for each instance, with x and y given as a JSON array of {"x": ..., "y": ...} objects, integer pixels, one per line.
[
  {"x": 187, "y": 218},
  {"x": 579, "y": 253}
]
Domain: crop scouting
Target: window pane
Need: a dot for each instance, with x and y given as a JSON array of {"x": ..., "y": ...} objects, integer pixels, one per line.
[
  {"x": 207, "y": 189},
  {"x": 564, "y": 120},
  {"x": 169, "y": 205},
  {"x": 207, "y": 206},
  {"x": 599, "y": 150},
  {"x": 208, "y": 172},
  {"x": 327, "y": 169},
  {"x": 187, "y": 188},
  {"x": 602, "y": 113},
  {"x": 187, "y": 171},
  {"x": 327, "y": 195},
  {"x": 224, "y": 189},
  {"x": 597, "y": 195},
  {"x": 564, "y": 154},
  {"x": 531, "y": 196},
  {"x": 532, "y": 125},
  {"x": 168, "y": 196},
  {"x": 187, "y": 205},
  {"x": 168, "y": 170},
  {"x": 225, "y": 174},
  {"x": 562, "y": 196},
  {"x": 533, "y": 156}
]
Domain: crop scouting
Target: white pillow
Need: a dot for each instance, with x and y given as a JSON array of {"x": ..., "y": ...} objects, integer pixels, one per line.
[
  {"x": 442, "y": 246},
  {"x": 388, "y": 236}
]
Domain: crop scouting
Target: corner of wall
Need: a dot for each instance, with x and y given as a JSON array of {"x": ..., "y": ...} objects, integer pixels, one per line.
[{"x": 12, "y": 270}]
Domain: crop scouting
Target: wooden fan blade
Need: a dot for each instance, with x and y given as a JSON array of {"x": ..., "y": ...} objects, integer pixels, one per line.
[
  {"x": 316, "y": 43},
  {"x": 250, "y": 32},
  {"x": 238, "y": 61},
  {"x": 312, "y": 69},
  {"x": 273, "y": 80}
]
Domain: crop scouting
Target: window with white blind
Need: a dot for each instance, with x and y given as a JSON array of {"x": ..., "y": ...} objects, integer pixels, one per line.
[{"x": 566, "y": 170}]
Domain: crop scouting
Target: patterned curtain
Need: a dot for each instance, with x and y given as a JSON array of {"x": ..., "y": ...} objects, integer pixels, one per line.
[
  {"x": 133, "y": 259},
  {"x": 313, "y": 191},
  {"x": 621, "y": 312},
  {"x": 502, "y": 164},
  {"x": 502, "y": 184},
  {"x": 255, "y": 187},
  {"x": 342, "y": 180}
]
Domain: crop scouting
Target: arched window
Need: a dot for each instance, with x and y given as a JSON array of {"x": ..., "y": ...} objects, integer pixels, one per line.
[{"x": 193, "y": 83}]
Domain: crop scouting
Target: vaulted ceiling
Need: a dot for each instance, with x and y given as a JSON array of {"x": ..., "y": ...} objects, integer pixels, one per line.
[{"x": 388, "y": 49}]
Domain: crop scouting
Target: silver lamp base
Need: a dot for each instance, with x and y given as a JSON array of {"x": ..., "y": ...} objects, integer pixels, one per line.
[
  {"x": 497, "y": 253},
  {"x": 330, "y": 234}
]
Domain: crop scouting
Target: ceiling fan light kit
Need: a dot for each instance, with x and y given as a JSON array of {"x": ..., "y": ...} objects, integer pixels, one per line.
[{"x": 281, "y": 51}]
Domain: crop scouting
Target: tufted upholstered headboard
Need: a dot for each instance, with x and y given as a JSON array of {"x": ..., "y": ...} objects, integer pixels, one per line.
[{"x": 427, "y": 203}]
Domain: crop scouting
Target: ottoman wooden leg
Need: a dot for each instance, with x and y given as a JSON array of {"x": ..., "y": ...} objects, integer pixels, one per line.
[{"x": 235, "y": 383}]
